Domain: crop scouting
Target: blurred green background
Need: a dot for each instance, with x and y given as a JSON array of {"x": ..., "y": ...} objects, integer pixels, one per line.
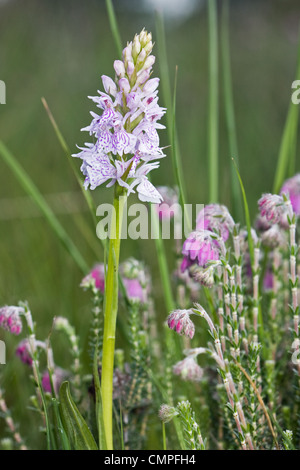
[{"x": 59, "y": 50}]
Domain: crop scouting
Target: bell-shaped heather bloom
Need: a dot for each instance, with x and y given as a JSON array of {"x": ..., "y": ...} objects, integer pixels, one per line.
[
  {"x": 204, "y": 276},
  {"x": 291, "y": 188},
  {"x": 273, "y": 208},
  {"x": 10, "y": 319},
  {"x": 136, "y": 280},
  {"x": 58, "y": 376},
  {"x": 180, "y": 321},
  {"x": 261, "y": 223},
  {"x": 274, "y": 237},
  {"x": 125, "y": 144},
  {"x": 24, "y": 353},
  {"x": 268, "y": 282},
  {"x": 95, "y": 279},
  {"x": 216, "y": 218},
  {"x": 199, "y": 248},
  {"x": 188, "y": 369},
  {"x": 169, "y": 208}
]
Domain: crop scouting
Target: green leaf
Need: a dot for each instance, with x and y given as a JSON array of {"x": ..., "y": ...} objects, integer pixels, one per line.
[{"x": 75, "y": 426}]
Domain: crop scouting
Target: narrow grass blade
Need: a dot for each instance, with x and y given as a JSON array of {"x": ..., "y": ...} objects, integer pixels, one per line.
[
  {"x": 170, "y": 103},
  {"x": 114, "y": 26},
  {"x": 177, "y": 164},
  {"x": 66, "y": 149},
  {"x": 40, "y": 201},
  {"x": 162, "y": 261},
  {"x": 247, "y": 214},
  {"x": 213, "y": 125},
  {"x": 229, "y": 108},
  {"x": 287, "y": 151},
  {"x": 286, "y": 156}
]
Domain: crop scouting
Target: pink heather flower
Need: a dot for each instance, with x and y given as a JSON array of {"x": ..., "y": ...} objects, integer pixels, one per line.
[
  {"x": 268, "y": 280},
  {"x": 58, "y": 377},
  {"x": 188, "y": 369},
  {"x": 134, "y": 290},
  {"x": 274, "y": 236},
  {"x": 10, "y": 319},
  {"x": 170, "y": 205},
  {"x": 180, "y": 321},
  {"x": 272, "y": 207},
  {"x": 291, "y": 188},
  {"x": 199, "y": 248},
  {"x": 125, "y": 144},
  {"x": 24, "y": 353},
  {"x": 216, "y": 218},
  {"x": 204, "y": 276},
  {"x": 136, "y": 280},
  {"x": 96, "y": 278}
]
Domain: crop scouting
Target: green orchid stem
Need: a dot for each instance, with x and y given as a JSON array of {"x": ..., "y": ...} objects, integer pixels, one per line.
[{"x": 110, "y": 315}]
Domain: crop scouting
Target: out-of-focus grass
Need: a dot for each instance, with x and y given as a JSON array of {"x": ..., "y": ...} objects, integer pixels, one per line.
[{"x": 59, "y": 50}]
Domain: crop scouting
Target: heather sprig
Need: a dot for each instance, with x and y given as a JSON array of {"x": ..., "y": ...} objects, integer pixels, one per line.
[{"x": 192, "y": 434}]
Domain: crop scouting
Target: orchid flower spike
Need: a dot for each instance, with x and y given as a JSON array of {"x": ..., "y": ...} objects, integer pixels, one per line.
[{"x": 125, "y": 142}]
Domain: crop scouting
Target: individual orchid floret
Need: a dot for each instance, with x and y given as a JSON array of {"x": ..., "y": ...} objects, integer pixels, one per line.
[
  {"x": 167, "y": 413},
  {"x": 10, "y": 319},
  {"x": 95, "y": 279},
  {"x": 179, "y": 321},
  {"x": 273, "y": 208},
  {"x": 291, "y": 188},
  {"x": 125, "y": 145},
  {"x": 199, "y": 248},
  {"x": 216, "y": 218},
  {"x": 136, "y": 280},
  {"x": 168, "y": 209},
  {"x": 188, "y": 369}
]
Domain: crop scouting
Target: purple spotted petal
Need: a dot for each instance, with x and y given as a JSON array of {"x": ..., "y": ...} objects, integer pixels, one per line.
[
  {"x": 147, "y": 192},
  {"x": 97, "y": 171}
]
